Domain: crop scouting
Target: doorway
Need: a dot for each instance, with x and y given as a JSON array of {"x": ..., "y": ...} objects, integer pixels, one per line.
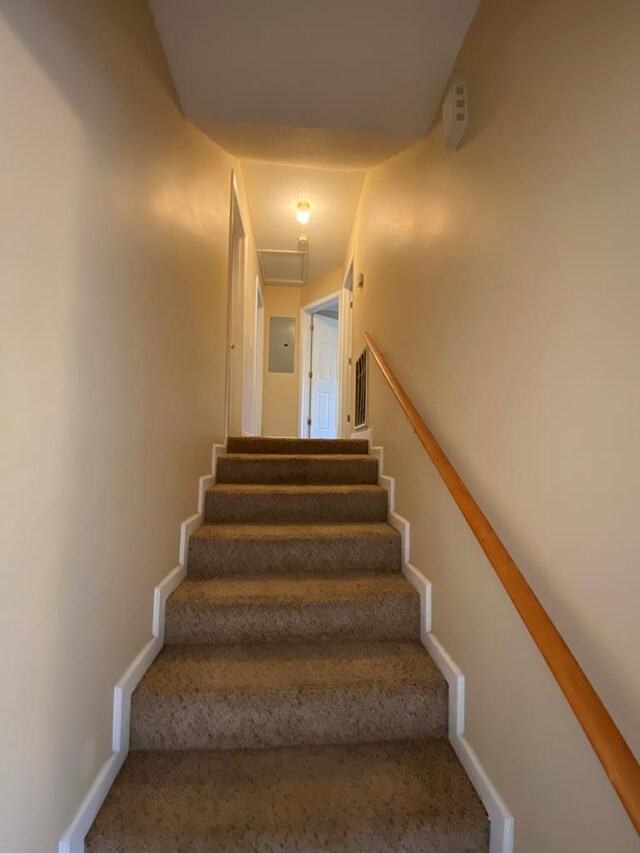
[
  {"x": 235, "y": 296},
  {"x": 320, "y": 374}
]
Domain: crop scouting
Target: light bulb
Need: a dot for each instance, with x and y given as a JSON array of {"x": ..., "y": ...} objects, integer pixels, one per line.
[{"x": 303, "y": 212}]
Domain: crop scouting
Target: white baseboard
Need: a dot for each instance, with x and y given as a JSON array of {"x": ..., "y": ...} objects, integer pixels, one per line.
[
  {"x": 73, "y": 839},
  {"x": 216, "y": 450},
  {"x": 501, "y": 819}
]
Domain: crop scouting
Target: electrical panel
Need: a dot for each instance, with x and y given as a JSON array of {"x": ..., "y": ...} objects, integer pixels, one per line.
[{"x": 282, "y": 343}]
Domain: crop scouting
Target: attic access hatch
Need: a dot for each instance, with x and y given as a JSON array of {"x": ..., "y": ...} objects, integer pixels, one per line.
[{"x": 283, "y": 266}]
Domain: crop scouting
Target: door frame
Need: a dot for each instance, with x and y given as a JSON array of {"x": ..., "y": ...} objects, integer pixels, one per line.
[
  {"x": 345, "y": 423},
  {"x": 259, "y": 358},
  {"x": 304, "y": 397},
  {"x": 235, "y": 299}
]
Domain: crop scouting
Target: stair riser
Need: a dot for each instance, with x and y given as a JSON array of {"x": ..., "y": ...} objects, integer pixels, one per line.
[
  {"x": 247, "y": 444},
  {"x": 296, "y": 471},
  {"x": 299, "y": 508},
  {"x": 251, "y": 722},
  {"x": 211, "y": 558},
  {"x": 190, "y": 623},
  {"x": 411, "y": 839}
]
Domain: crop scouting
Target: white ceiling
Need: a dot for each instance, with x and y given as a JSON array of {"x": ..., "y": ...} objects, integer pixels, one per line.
[
  {"x": 338, "y": 85},
  {"x": 274, "y": 190},
  {"x": 326, "y": 82}
]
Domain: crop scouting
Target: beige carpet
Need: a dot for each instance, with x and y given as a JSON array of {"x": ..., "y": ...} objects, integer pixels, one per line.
[{"x": 293, "y": 707}]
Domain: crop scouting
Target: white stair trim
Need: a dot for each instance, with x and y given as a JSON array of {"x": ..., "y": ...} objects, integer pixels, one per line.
[
  {"x": 73, "y": 839},
  {"x": 501, "y": 819}
]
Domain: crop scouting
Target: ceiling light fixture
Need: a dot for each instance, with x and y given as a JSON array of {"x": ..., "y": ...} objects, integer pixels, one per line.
[{"x": 303, "y": 212}]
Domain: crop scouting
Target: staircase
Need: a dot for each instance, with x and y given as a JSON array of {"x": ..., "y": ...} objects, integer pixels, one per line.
[{"x": 293, "y": 707}]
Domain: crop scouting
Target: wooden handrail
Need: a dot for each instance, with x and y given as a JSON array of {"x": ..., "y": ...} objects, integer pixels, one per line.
[{"x": 606, "y": 739}]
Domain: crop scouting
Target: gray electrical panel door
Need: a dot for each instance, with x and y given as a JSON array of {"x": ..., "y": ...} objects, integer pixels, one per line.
[{"x": 282, "y": 342}]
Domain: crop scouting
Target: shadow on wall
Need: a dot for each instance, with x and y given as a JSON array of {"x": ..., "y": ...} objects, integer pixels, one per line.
[
  {"x": 66, "y": 36},
  {"x": 119, "y": 214}
]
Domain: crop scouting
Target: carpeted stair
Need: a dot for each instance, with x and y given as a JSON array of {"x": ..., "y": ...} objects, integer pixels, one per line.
[{"x": 293, "y": 707}]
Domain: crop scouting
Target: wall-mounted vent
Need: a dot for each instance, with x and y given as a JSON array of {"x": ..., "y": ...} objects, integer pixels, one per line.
[
  {"x": 455, "y": 114},
  {"x": 361, "y": 403}
]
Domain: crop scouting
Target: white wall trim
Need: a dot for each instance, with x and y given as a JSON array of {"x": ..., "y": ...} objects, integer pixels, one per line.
[
  {"x": 346, "y": 336},
  {"x": 258, "y": 343},
  {"x": 73, "y": 839},
  {"x": 501, "y": 819}
]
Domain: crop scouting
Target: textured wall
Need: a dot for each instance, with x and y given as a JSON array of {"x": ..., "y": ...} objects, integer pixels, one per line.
[
  {"x": 114, "y": 239},
  {"x": 502, "y": 283}
]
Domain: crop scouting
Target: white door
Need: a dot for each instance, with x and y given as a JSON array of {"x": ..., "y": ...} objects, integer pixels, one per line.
[{"x": 324, "y": 378}]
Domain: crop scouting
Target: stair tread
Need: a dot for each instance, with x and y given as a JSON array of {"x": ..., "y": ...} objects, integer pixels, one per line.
[
  {"x": 377, "y": 797},
  {"x": 281, "y": 607},
  {"x": 258, "y": 669},
  {"x": 306, "y": 531},
  {"x": 290, "y": 468},
  {"x": 300, "y": 489},
  {"x": 291, "y": 590},
  {"x": 218, "y": 548},
  {"x": 279, "y": 503}
]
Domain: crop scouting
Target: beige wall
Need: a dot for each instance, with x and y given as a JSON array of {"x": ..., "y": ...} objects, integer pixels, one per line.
[
  {"x": 114, "y": 232},
  {"x": 502, "y": 283},
  {"x": 325, "y": 285},
  {"x": 281, "y": 391}
]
